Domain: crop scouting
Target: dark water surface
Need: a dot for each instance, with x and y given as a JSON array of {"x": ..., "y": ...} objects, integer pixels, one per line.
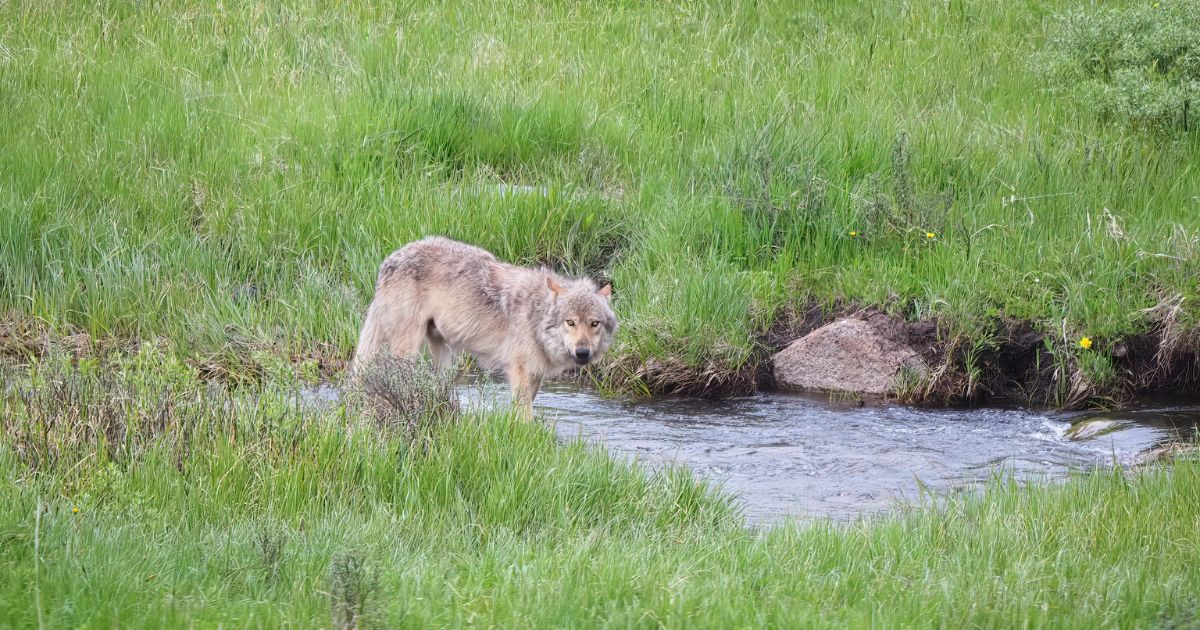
[{"x": 787, "y": 455}]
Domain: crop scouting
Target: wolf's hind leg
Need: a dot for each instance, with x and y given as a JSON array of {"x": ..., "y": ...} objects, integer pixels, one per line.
[
  {"x": 390, "y": 325},
  {"x": 442, "y": 354},
  {"x": 405, "y": 340}
]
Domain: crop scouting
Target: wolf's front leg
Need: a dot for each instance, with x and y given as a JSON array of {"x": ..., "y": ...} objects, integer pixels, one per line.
[{"x": 524, "y": 388}]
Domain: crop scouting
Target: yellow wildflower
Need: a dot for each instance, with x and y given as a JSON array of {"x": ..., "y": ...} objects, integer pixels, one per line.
[
  {"x": 930, "y": 235},
  {"x": 75, "y": 509},
  {"x": 853, "y": 234},
  {"x": 1085, "y": 343}
]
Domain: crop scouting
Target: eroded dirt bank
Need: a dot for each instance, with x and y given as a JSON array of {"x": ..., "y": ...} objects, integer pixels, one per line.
[{"x": 1017, "y": 363}]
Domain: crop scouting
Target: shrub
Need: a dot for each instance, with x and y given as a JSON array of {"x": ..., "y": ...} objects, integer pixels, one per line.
[
  {"x": 1140, "y": 64},
  {"x": 407, "y": 394}
]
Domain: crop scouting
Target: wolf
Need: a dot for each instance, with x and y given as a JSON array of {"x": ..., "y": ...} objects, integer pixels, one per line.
[{"x": 451, "y": 297}]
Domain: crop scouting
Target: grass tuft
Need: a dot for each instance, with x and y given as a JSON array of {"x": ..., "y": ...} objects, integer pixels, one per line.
[{"x": 407, "y": 395}]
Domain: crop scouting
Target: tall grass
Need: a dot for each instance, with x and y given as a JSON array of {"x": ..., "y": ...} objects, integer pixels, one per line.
[
  {"x": 227, "y": 176},
  {"x": 171, "y": 502}
]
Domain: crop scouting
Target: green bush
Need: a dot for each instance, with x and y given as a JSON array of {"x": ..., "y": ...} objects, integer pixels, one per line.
[{"x": 1139, "y": 64}]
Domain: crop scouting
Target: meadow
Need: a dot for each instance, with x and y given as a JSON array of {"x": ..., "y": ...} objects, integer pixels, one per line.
[
  {"x": 195, "y": 197},
  {"x": 228, "y": 177},
  {"x": 139, "y": 495}
]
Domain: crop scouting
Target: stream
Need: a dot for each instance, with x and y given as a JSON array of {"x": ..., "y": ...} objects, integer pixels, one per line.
[{"x": 785, "y": 455}]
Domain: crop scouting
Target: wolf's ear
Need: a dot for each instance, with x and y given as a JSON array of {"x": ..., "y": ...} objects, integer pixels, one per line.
[
  {"x": 606, "y": 291},
  {"x": 554, "y": 286}
]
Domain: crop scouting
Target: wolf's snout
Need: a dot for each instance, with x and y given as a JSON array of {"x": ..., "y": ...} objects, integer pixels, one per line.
[{"x": 582, "y": 355}]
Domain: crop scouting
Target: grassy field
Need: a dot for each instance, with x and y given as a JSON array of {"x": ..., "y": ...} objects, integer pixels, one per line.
[
  {"x": 137, "y": 495},
  {"x": 228, "y": 177},
  {"x": 195, "y": 196}
]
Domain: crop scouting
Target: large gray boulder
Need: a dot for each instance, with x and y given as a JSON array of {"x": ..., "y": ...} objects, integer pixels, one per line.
[{"x": 849, "y": 355}]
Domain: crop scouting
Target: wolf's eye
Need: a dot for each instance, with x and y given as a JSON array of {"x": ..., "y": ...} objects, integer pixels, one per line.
[
  {"x": 595, "y": 324},
  {"x": 570, "y": 322}
]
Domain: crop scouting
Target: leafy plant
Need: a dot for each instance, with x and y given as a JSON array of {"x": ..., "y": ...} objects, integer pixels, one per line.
[{"x": 1139, "y": 64}]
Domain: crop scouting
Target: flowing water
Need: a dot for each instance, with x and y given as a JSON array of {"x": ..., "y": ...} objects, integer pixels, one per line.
[{"x": 787, "y": 455}]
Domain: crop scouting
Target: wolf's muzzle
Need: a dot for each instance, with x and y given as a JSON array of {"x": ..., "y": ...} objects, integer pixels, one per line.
[{"x": 582, "y": 355}]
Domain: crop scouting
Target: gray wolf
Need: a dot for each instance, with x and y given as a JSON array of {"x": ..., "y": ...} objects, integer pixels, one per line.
[{"x": 452, "y": 297}]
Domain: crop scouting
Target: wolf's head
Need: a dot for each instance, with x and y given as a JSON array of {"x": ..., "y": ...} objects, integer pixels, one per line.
[{"x": 580, "y": 318}]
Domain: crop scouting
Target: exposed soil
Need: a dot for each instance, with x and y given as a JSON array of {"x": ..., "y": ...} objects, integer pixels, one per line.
[{"x": 1017, "y": 365}]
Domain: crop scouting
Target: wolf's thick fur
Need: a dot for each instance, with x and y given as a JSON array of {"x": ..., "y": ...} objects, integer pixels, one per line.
[{"x": 450, "y": 296}]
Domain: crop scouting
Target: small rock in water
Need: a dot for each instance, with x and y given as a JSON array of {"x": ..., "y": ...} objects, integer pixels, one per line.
[{"x": 1093, "y": 427}]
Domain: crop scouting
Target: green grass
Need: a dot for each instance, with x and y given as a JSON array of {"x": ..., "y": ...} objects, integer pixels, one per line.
[
  {"x": 158, "y": 162},
  {"x": 224, "y": 180},
  {"x": 204, "y": 507}
]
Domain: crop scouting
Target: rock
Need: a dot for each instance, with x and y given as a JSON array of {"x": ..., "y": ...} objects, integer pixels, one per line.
[
  {"x": 1089, "y": 428},
  {"x": 849, "y": 355},
  {"x": 1166, "y": 454}
]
